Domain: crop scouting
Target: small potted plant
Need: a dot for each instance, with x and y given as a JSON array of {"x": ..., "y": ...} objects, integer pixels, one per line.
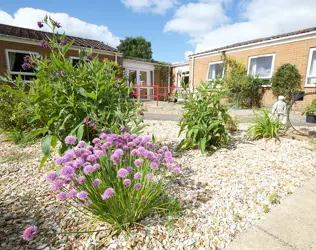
[{"x": 311, "y": 112}]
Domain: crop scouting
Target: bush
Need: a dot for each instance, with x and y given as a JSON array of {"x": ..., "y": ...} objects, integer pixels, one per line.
[
  {"x": 311, "y": 109},
  {"x": 67, "y": 99},
  {"x": 117, "y": 179},
  {"x": 265, "y": 125},
  {"x": 286, "y": 80},
  {"x": 204, "y": 118},
  {"x": 242, "y": 89}
]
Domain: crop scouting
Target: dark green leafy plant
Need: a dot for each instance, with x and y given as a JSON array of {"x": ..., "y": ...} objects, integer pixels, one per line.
[
  {"x": 286, "y": 80},
  {"x": 243, "y": 89},
  {"x": 204, "y": 119},
  {"x": 67, "y": 99},
  {"x": 265, "y": 125},
  {"x": 311, "y": 109}
]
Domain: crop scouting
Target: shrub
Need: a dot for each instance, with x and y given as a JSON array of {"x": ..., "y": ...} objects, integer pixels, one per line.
[
  {"x": 311, "y": 109},
  {"x": 242, "y": 89},
  {"x": 204, "y": 118},
  {"x": 265, "y": 125},
  {"x": 286, "y": 80},
  {"x": 67, "y": 99},
  {"x": 116, "y": 179}
]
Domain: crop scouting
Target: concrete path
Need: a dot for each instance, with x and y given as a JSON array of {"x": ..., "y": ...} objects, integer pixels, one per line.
[{"x": 290, "y": 225}]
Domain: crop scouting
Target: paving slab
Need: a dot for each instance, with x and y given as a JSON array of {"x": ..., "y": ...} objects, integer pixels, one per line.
[
  {"x": 256, "y": 239},
  {"x": 290, "y": 225}
]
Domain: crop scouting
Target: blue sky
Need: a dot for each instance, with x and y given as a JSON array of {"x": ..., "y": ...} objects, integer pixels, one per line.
[{"x": 174, "y": 27}]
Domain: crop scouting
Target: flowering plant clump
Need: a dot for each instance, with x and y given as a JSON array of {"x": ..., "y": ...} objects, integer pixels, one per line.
[{"x": 118, "y": 179}]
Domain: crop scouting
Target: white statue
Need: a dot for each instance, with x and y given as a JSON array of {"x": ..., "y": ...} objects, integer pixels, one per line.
[{"x": 279, "y": 110}]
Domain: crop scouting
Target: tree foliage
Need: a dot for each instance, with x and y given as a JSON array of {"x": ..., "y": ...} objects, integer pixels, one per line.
[
  {"x": 136, "y": 47},
  {"x": 286, "y": 81},
  {"x": 242, "y": 89}
]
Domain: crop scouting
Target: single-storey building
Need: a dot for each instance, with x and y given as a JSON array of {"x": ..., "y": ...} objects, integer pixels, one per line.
[
  {"x": 17, "y": 42},
  {"x": 262, "y": 58}
]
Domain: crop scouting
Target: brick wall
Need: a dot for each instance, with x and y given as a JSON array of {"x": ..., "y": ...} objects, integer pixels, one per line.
[
  {"x": 36, "y": 48},
  {"x": 295, "y": 53}
]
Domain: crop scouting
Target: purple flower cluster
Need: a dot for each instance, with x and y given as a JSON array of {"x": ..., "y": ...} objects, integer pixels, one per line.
[
  {"x": 82, "y": 170},
  {"x": 89, "y": 123},
  {"x": 29, "y": 233},
  {"x": 27, "y": 63},
  {"x": 44, "y": 44},
  {"x": 40, "y": 24}
]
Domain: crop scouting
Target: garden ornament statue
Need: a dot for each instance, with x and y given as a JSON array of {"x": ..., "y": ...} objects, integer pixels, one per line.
[{"x": 279, "y": 110}]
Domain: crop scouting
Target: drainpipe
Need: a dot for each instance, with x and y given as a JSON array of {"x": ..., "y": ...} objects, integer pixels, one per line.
[
  {"x": 169, "y": 79},
  {"x": 192, "y": 79},
  {"x": 115, "y": 57}
]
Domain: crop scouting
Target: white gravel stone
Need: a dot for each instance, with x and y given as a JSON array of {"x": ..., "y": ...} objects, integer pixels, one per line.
[{"x": 223, "y": 192}]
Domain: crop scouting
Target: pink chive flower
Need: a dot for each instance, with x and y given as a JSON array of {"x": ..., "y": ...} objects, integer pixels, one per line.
[
  {"x": 57, "y": 184},
  {"x": 91, "y": 158},
  {"x": 138, "y": 186},
  {"x": 98, "y": 153},
  {"x": 150, "y": 176},
  {"x": 81, "y": 144},
  {"x": 138, "y": 162},
  {"x": 119, "y": 152},
  {"x": 51, "y": 176},
  {"x": 67, "y": 171},
  {"x": 108, "y": 193},
  {"x": 82, "y": 195},
  {"x": 122, "y": 173},
  {"x": 154, "y": 164},
  {"x": 165, "y": 148},
  {"x": 29, "y": 233},
  {"x": 87, "y": 203},
  {"x": 127, "y": 182},
  {"x": 62, "y": 196},
  {"x": 88, "y": 169},
  {"x": 70, "y": 140},
  {"x": 177, "y": 169},
  {"x": 96, "y": 140},
  {"x": 142, "y": 150},
  {"x": 168, "y": 154},
  {"x": 134, "y": 152},
  {"x": 44, "y": 44},
  {"x": 96, "y": 182},
  {"x": 96, "y": 166},
  {"x": 72, "y": 193},
  {"x": 138, "y": 176},
  {"x": 81, "y": 179},
  {"x": 130, "y": 169}
]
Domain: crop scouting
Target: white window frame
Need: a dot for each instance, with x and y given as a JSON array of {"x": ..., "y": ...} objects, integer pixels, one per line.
[
  {"x": 311, "y": 51},
  {"x": 272, "y": 67},
  {"x": 208, "y": 70},
  {"x": 18, "y": 51},
  {"x": 74, "y": 57}
]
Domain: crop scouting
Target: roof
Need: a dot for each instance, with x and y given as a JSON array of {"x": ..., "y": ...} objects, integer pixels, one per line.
[
  {"x": 145, "y": 60},
  {"x": 175, "y": 64},
  {"x": 24, "y": 33},
  {"x": 284, "y": 35}
]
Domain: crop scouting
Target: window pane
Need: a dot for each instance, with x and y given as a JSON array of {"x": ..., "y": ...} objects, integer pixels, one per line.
[
  {"x": 312, "y": 70},
  {"x": 215, "y": 70},
  {"x": 311, "y": 80},
  {"x": 261, "y": 66},
  {"x": 16, "y": 60}
]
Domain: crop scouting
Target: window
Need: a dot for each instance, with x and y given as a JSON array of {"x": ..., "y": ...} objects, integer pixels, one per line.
[
  {"x": 75, "y": 61},
  {"x": 261, "y": 66},
  {"x": 215, "y": 69},
  {"x": 15, "y": 59},
  {"x": 311, "y": 69}
]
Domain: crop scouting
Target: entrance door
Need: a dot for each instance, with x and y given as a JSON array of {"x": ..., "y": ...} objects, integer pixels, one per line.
[{"x": 142, "y": 78}]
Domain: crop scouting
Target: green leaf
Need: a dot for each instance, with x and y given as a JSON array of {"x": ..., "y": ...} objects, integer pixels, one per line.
[
  {"x": 44, "y": 159},
  {"x": 79, "y": 133},
  {"x": 203, "y": 145},
  {"x": 37, "y": 117},
  {"x": 45, "y": 145},
  {"x": 54, "y": 141}
]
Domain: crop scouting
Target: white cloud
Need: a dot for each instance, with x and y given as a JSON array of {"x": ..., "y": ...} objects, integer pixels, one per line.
[
  {"x": 154, "y": 6},
  {"x": 28, "y": 17},
  {"x": 187, "y": 53},
  {"x": 257, "y": 18}
]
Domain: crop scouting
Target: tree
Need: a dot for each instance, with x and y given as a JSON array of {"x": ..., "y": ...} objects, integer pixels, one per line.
[
  {"x": 286, "y": 81},
  {"x": 136, "y": 47}
]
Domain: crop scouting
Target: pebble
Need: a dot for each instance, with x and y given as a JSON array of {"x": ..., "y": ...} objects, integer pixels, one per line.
[{"x": 223, "y": 194}]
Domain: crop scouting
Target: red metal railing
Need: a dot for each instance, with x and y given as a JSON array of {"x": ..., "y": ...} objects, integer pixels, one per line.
[{"x": 156, "y": 92}]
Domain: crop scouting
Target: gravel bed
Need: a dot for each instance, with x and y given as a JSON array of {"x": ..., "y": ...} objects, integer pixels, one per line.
[{"x": 224, "y": 193}]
